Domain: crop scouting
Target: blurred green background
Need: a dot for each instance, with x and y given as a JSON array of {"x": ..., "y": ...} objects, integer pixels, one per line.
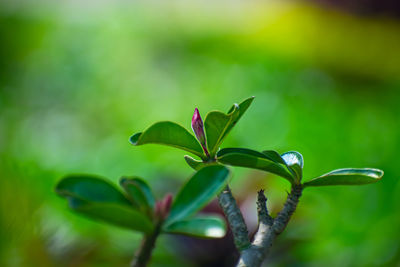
[{"x": 77, "y": 78}]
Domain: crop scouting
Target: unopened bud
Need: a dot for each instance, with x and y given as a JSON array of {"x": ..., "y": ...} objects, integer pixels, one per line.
[
  {"x": 158, "y": 209},
  {"x": 166, "y": 205},
  {"x": 163, "y": 207},
  {"x": 198, "y": 129}
]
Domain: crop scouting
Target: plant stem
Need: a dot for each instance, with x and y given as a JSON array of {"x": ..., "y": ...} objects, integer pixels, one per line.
[
  {"x": 235, "y": 218},
  {"x": 143, "y": 255},
  {"x": 268, "y": 228}
]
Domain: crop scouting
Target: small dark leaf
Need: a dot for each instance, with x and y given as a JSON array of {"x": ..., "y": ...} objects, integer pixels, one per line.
[
  {"x": 193, "y": 163},
  {"x": 139, "y": 193},
  {"x": 349, "y": 176},
  {"x": 99, "y": 199},
  {"x": 90, "y": 188}
]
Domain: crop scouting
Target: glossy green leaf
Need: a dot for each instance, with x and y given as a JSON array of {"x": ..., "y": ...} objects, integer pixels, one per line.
[
  {"x": 243, "y": 106},
  {"x": 349, "y": 176},
  {"x": 294, "y": 160},
  {"x": 99, "y": 199},
  {"x": 193, "y": 163},
  {"x": 116, "y": 214},
  {"x": 218, "y": 124},
  {"x": 198, "y": 191},
  {"x": 274, "y": 156},
  {"x": 243, "y": 157},
  {"x": 170, "y": 134},
  {"x": 197, "y": 164},
  {"x": 245, "y": 151},
  {"x": 139, "y": 193},
  {"x": 200, "y": 226},
  {"x": 90, "y": 188}
]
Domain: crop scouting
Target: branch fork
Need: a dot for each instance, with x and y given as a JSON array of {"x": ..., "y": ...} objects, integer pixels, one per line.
[{"x": 253, "y": 253}]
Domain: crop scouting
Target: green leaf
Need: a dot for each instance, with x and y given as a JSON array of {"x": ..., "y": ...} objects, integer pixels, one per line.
[
  {"x": 218, "y": 124},
  {"x": 116, "y": 214},
  {"x": 243, "y": 106},
  {"x": 204, "y": 226},
  {"x": 274, "y": 156},
  {"x": 230, "y": 150},
  {"x": 243, "y": 157},
  {"x": 193, "y": 163},
  {"x": 198, "y": 164},
  {"x": 99, "y": 199},
  {"x": 198, "y": 191},
  {"x": 349, "y": 176},
  {"x": 90, "y": 188},
  {"x": 139, "y": 193},
  {"x": 294, "y": 160},
  {"x": 170, "y": 134}
]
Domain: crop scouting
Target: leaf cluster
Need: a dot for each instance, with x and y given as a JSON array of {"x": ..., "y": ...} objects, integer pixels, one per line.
[
  {"x": 217, "y": 125},
  {"x": 135, "y": 206}
]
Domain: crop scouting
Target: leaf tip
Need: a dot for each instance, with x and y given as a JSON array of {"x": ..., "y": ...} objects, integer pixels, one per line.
[
  {"x": 189, "y": 160},
  {"x": 378, "y": 174},
  {"x": 122, "y": 181},
  {"x": 59, "y": 186},
  {"x": 57, "y": 189},
  {"x": 135, "y": 138},
  {"x": 247, "y": 101}
]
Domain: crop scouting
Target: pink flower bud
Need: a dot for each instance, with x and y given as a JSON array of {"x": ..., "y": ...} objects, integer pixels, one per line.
[
  {"x": 166, "y": 204},
  {"x": 163, "y": 207},
  {"x": 157, "y": 210},
  {"x": 198, "y": 129}
]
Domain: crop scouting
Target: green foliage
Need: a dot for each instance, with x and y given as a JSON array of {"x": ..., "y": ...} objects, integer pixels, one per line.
[
  {"x": 86, "y": 109},
  {"x": 350, "y": 176},
  {"x": 198, "y": 191},
  {"x": 269, "y": 161},
  {"x": 119, "y": 215},
  {"x": 96, "y": 198},
  {"x": 90, "y": 188},
  {"x": 290, "y": 166},
  {"x": 139, "y": 192},
  {"x": 198, "y": 164},
  {"x": 193, "y": 163},
  {"x": 199, "y": 226},
  {"x": 138, "y": 210},
  {"x": 218, "y": 124},
  {"x": 170, "y": 134}
]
